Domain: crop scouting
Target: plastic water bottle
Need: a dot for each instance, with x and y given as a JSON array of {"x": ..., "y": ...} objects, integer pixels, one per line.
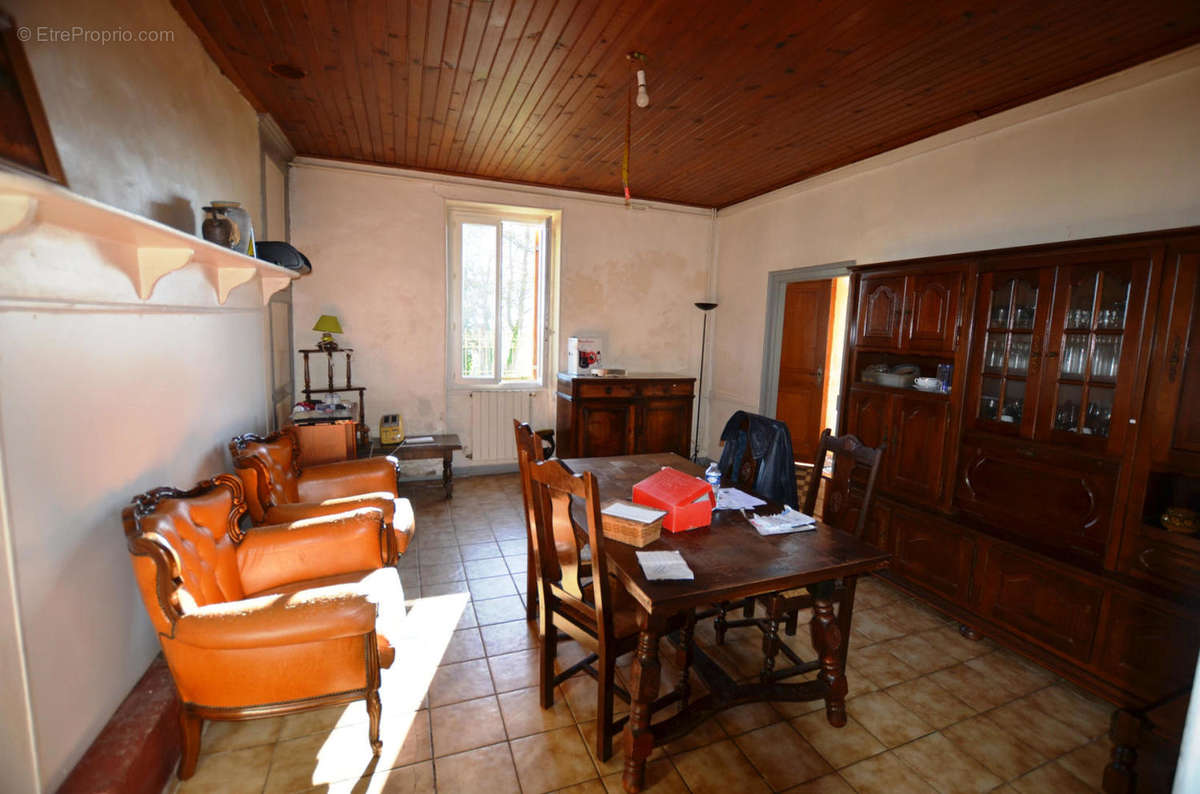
[{"x": 713, "y": 475}]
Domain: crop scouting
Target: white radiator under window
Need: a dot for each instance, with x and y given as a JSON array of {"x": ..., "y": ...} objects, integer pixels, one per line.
[{"x": 492, "y": 413}]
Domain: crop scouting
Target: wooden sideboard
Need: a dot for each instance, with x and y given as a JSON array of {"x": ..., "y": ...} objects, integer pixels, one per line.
[
  {"x": 1027, "y": 501},
  {"x": 627, "y": 415}
]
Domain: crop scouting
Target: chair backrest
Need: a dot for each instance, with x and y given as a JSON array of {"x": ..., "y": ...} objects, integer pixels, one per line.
[
  {"x": 854, "y": 465},
  {"x": 557, "y": 543},
  {"x": 745, "y": 471},
  {"x": 529, "y": 452},
  {"x": 758, "y": 457},
  {"x": 183, "y": 546},
  {"x": 269, "y": 468}
]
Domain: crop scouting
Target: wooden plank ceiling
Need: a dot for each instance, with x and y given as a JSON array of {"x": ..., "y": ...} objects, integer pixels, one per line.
[{"x": 745, "y": 96}]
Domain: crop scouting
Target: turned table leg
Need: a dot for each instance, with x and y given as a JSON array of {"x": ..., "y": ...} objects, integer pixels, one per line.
[
  {"x": 448, "y": 474},
  {"x": 639, "y": 739},
  {"x": 827, "y": 641}
]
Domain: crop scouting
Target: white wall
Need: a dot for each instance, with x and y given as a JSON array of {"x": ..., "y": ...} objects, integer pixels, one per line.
[
  {"x": 377, "y": 241},
  {"x": 103, "y": 396},
  {"x": 1115, "y": 156}
]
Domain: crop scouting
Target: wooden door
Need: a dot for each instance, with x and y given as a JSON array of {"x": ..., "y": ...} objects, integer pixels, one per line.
[
  {"x": 931, "y": 317},
  {"x": 665, "y": 425},
  {"x": 880, "y": 311},
  {"x": 606, "y": 427},
  {"x": 936, "y": 556},
  {"x": 803, "y": 362},
  {"x": 915, "y": 455},
  {"x": 1183, "y": 353}
]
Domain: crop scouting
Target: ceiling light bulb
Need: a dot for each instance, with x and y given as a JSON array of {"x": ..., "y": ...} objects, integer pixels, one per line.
[{"x": 643, "y": 96}]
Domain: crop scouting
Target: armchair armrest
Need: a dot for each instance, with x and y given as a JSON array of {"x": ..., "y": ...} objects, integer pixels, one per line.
[
  {"x": 283, "y": 514},
  {"x": 347, "y": 478},
  {"x": 307, "y": 616},
  {"x": 278, "y": 554}
]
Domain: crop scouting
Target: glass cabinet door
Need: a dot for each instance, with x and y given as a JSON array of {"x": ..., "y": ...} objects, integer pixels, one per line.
[
  {"x": 1008, "y": 352},
  {"x": 1086, "y": 351}
]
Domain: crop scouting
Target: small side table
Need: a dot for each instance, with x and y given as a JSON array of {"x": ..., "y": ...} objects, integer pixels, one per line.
[{"x": 442, "y": 446}]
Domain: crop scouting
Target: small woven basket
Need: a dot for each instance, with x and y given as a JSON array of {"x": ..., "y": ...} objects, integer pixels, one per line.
[{"x": 633, "y": 533}]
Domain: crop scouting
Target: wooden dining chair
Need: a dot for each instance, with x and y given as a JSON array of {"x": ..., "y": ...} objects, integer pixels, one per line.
[
  {"x": 595, "y": 611},
  {"x": 529, "y": 444},
  {"x": 855, "y": 468}
]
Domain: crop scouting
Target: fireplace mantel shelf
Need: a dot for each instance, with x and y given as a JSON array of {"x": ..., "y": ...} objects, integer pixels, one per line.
[{"x": 145, "y": 250}]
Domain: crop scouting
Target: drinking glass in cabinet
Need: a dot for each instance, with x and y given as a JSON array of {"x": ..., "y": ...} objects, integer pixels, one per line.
[
  {"x": 1023, "y": 317},
  {"x": 988, "y": 407},
  {"x": 1079, "y": 318},
  {"x": 1018, "y": 356},
  {"x": 1012, "y": 410},
  {"x": 1074, "y": 355},
  {"x": 1106, "y": 358},
  {"x": 1098, "y": 418},
  {"x": 994, "y": 358},
  {"x": 1066, "y": 414},
  {"x": 1112, "y": 316},
  {"x": 1000, "y": 315}
]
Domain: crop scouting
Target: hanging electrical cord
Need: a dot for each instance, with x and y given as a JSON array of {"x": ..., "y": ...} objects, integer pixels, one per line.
[{"x": 643, "y": 100}]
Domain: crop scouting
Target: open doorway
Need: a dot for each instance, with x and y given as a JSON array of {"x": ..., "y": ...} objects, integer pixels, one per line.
[{"x": 803, "y": 351}]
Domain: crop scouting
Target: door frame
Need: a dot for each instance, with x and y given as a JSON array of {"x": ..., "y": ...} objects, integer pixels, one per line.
[{"x": 777, "y": 283}]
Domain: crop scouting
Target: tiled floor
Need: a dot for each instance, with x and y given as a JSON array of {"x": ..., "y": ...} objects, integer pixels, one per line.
[{"x": 929, "y": 710}]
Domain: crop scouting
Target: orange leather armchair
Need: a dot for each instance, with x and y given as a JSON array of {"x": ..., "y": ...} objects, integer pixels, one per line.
[
  {"x": 279, "y": 490},
  {"x": 282, "y": 619}
]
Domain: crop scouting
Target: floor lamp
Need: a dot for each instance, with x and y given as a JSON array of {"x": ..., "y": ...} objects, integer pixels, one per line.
[{"x": 706, "y": 308}]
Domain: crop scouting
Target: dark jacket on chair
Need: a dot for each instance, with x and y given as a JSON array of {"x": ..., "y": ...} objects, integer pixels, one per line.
[{"x": 770, "y": 445}]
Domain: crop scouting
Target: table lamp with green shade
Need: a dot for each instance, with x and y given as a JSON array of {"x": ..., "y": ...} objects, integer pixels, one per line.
[{"x": 328, "y": 325}]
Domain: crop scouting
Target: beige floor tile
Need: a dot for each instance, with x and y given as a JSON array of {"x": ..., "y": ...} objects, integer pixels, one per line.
[
  {"x": 661, "y": 778},
  {"x": 873, "y": 625},
  {"x": 514, "y": 670},
  {"x": 515, "y": 635},
  {"x": 992, "y": 746},
  {"x": 480, "y": 551},
  {"x": 552, "y": 760},
  {"x": 442, "y": 588},
  {"x": 486, "y": 568},
  {"x": 912, "y": 618},
  {"x": 945, "y": 767},
  {"x": 885, "y": 774},
  {"x": 466, "y": 725},
  {"x": 706, "y": 733},
  {"x": 839, "y": 746},
  {"x": 830, "y": 784},
  {"x": 517, "y": 563},
  {"x": 443, "y": 572},
  {"x": 523, "y": 713},
  {"x": 322, "y": 720},
  {"x": 886, "y": 719},
  {"x": 615, "y": 762},
  {"x": 235, "y": 772},
  {"x": 220, "y": 736},
  {"x": 499, "y": 610},
  {"x": 1053, "y": 777},
  {"x": 718, "y": 769},
  {"x": 1016, "y": 673},
  {"x": 344, "y": 754},
  {"x": 1082, "y": 712},
  {"x": 782, "y": 756},
  {"x": 930, "y": 702},
  {"x": 972, "y": 687},
  {"x": 1087, "y": 763},
  {"x": 581, "y": 692},
  {"x": 440, "y": 556},
  {"x": 794, "y": 708},
  {"x": 411, "y": 779},
  {"x": 1034, "y": 727},
  {"x": 464, "y": 645},
  {"x": 880, "y": 666},
  {"x": 747, "y": 717},
  {"x": 494, "y": 587},
  {"x": 873, "y": 592},
  {"x": 488, "y": 768},
  {"x": 595, "y": 786},
  {"x": 919, "y": 654},
  {"x": 950, "y": 641},
  {"x": 461, "y": 681}
]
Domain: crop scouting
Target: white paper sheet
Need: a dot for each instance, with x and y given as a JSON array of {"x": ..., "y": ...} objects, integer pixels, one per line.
[
  {"x": 643, "y": 515},
  {"x": 661, "y": 565},
  {"x": 788, "y": 521},
  {"x": 418, "y": 440},
  {"x": 735, "y": 499}
]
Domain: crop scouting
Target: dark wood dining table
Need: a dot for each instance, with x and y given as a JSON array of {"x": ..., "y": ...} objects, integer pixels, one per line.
[{"x": 730, "y": 561}]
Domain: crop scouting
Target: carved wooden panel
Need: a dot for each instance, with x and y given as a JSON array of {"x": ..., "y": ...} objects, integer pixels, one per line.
[
  {"x": 1043, "y": 602},
  {"x": 932, "y": 312},
  {"x": 880, "y": 309},
  {"x": 868, "y": 416},
  {"x": 605, "y": 428},
  {"x": 1148, "y": 648},
  {"x": 934, "y": 555},
  {"x": 666, "y": 426},
  {"x": 917, "y": 441},
  {"x": 1029, "y": 490}
]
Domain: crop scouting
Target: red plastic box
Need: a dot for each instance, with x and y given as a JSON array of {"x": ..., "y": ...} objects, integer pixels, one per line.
[{"x": 688, "y": 500}]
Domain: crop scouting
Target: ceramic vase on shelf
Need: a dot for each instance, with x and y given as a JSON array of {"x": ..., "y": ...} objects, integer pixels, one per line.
[{"x": 227, "y": 223}]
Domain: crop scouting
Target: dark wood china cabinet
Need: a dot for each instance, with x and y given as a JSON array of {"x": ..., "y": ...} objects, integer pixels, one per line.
[{"x": 1029, "y": 501}]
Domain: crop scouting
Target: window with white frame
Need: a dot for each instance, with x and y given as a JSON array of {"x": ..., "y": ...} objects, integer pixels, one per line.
[{"x": 500, "y": 274}]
